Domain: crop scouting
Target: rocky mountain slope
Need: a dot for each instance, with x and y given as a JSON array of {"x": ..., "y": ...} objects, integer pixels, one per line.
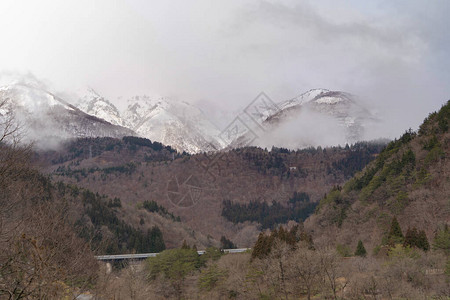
[
  {"x": 186, "y": 128},
  {"x": 410, "y": 179},
  {"x": 94, "y": 104},
  {"x": 175, "y": 123}
]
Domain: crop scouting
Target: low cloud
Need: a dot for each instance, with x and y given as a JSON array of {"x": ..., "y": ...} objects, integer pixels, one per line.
[{"x": 394, "y": 56}]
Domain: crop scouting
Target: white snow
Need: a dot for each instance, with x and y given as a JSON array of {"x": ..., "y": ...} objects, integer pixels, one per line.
[
  {"x": 301, "y": 99},
  {"x": 328, "y": 100}
]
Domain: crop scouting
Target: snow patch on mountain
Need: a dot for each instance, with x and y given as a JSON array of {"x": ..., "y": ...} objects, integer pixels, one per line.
[
  {"x": 46, "y": 119},
  {"x": 175, "y": 123},
  {"x": 94, "y": 104}
]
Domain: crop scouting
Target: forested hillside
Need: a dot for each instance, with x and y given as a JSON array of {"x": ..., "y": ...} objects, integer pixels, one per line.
[
  {"x": 384, "y": 234},
  {"x": 410, "y": 180},
  {"x": 200, "y": 198}
]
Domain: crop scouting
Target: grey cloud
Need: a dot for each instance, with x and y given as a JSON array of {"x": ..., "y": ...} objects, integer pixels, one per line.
[{"x": 393, "y": 55}]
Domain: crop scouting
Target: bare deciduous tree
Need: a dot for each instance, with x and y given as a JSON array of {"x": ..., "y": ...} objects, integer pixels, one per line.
[
  {"x": 39, "y": 251},
  {"x": 306, "y": 267}
]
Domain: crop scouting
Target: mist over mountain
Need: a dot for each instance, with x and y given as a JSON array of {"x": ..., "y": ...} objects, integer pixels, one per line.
[
  {"x": 317, "y": 117},
  {"x": 46, "y": 119},
  {"x": 260, "y": 149}
]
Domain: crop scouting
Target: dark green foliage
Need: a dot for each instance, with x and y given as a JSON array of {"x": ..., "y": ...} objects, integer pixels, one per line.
[
  {"x": 395, "y": 235},
  {"x": 125, "y": 237},
  {"x": 360, "y": 250},
  {"x": 154, "y": 241},
  {"x": 431, "y": 143},
  {"x": 174, "y": 266},
  {"x": 384, "y": 166},
  {"x": 338, "y": 205},
  {"x": 443, "y": 117},
  {"x": 128, "y": 169},
  {"x": 422, "y": 241},
  {"x": 153, "y": 206},
  {"x": 211, "y": 253},
  {"x": 174, "y": 263},
  {"x": 264, "y": 243},
  {"x": 299, "y": 197},
  {"x": 87, "y": 147},
  {"x": 298, "y": 209},
  {"x": 365, "y": 179},
  {"x": 266, "y": 162},
  {"x": 226, "y": 243},
  {"x": 115, "y": 203},
  {"x": 274, "y": 162},
  {"x": 407, "y": 136},
  {"x": 91, "y": 147},
  {"x": 437, "y": 122},
  {"x": 356, "y": 159},
  {"x": 134, "y": 141},
  {"x": 408, "y": 158}
]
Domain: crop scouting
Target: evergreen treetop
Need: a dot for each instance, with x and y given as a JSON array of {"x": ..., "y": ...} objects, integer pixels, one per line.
[
  {"x": 395, "y": 235},
  {"x": 360, "y": 250}
]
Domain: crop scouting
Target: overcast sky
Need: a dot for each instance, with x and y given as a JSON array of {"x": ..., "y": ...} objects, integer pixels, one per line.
[{"x": 391, "y": 54}]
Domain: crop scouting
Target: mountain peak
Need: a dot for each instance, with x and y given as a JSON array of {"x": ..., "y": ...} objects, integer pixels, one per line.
[{"x": 94, "y": 104}]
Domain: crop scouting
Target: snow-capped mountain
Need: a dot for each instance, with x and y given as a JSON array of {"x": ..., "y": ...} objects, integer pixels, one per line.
[
  {"x": 94, "y": 104},
  {"x": 175, "y": 123},
  {"x": 186, "y": 128},
  {"x": 47, "y": 119},
  {"x": 317, "y": 117},
  {"x": 349, "y": 113}
]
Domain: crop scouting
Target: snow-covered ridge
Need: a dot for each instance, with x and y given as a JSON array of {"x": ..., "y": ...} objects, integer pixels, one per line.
[
  {"x": 47, "y": 119},
  {"x": 176, "y": 123},
  {"x": 301, "y": 99},
  {"x": 94, "y": 104}
]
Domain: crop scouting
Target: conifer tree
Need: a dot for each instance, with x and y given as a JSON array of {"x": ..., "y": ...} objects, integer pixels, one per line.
[
  {"x": 395, "y": 235},
  {"x": 411, "y": 238},
  {"x": 226, "y": 243},
  {"x": 261, "y": 247},
  {"x": 360, "y": 250},
  {"x": 422, "y": 241}
]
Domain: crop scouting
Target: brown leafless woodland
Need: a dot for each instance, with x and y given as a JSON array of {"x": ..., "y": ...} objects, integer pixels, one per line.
[{"x": 40, "y": 255}]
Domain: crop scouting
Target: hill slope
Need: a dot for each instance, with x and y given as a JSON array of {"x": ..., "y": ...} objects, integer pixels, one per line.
[
  {"x": 410, "y": 179},
  {"x": 197, "y": 188}
]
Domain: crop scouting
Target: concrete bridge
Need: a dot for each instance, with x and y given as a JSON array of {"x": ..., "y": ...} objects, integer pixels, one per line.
[{"x": 142, "y": 256}]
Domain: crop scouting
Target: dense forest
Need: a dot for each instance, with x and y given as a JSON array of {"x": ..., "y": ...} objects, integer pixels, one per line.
[
  {"x": 275, "y": 161},
  {"x": 99, "y": 210},
  {"x": 298, "y": 209}
]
